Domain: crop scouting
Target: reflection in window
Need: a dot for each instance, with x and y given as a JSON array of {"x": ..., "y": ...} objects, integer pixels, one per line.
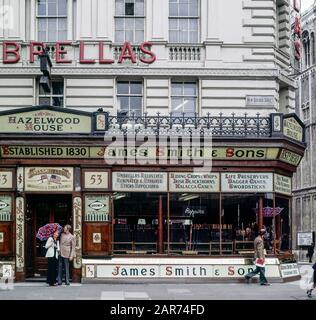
[
  {"x": 52, "y": 20},
  {"x": 184, "y": 21},
  {"x": 129, "y": 21},
  {"x": 183, "y": 98},
  {"x": 55, "y": 97},
  {"x": 130, "y": 97}
]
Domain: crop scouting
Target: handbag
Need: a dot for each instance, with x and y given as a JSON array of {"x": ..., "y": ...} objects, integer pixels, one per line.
[{"x": 260, "y": 262}]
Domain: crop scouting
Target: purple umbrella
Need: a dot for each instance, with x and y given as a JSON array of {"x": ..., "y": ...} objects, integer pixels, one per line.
[{"x": 48, "y": 230}]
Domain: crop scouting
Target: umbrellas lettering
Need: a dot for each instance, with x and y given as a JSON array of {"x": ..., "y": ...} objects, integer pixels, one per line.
[{"x": 48, "y": 230}]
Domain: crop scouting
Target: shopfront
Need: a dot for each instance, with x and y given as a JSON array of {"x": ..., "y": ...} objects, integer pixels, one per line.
[{"x": 146, "y": 209}]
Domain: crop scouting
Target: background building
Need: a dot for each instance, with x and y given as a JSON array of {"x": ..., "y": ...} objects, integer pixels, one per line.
[{"x": 304, "y": 182}]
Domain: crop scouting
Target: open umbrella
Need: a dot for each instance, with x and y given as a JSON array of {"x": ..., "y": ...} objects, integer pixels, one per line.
[{"x": 48, "y": 230}]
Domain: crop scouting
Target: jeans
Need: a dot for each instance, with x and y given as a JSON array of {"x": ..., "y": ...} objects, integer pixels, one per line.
[
  {"x": 260, "y": 270},
  {"x": 63, "y": 261}
]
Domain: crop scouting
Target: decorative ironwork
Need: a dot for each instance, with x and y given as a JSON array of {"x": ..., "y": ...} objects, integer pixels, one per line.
[{"x": 228, "y": 126}]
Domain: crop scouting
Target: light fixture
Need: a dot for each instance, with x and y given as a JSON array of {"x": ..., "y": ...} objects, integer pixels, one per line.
[
  {"x": 188, "y": 197},
  {"x": 117, "y": 195}
]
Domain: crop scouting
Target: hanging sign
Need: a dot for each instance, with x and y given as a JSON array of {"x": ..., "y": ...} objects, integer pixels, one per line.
[
  {"x": 282, "y": 184},
  {"x": 293, "y": 129},
  {"x": 97, "y": 207}
]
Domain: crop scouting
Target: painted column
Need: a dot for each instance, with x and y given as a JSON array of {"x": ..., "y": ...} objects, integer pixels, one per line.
[
  {"x": 77, "y": 226},
  {"x": 20, "y": 234}
]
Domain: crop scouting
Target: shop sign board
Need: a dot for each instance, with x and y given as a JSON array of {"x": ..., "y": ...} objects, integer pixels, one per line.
[
  {"x": 293, "y": 129},
  {"x": 5, "y": 207},
  {"x": 45, "y": 121},
  {"x": 49, "y": 179},
  {"x": 6, "y": 179},
  {"x": 97, "y": 207},
  {"x": 193, "y": 182},
  {"x": 169, "y": 271},
  {"x": 290, "y": 157},
  {"x": 304, "y": 238},
  {"x": 139, "y": 181},
  {"x": 260, "y": 100},
  {"x": 96, "y": 180},
  {"x": 289, "y": 270},
  {"x": 282, "y": 184},
  {"x": 246, "y": 182}
]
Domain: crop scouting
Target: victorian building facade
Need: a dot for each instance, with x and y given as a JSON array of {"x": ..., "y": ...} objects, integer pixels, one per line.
[{"x": 212, "y": 75}]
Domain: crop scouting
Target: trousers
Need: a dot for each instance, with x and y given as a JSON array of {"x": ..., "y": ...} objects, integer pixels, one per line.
[{"x": 63, "y": 262}]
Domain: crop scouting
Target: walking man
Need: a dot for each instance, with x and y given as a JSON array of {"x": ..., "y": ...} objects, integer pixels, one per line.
[
  {"x": 67, "y": 253},
  {"x": 260, "y": 259}
]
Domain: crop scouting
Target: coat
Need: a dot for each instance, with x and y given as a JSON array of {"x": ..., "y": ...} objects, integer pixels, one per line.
[
  {"x": 50, "y": 248},
  {"x": 259, "y": 248},
  {"x": 67, "y": 245}
]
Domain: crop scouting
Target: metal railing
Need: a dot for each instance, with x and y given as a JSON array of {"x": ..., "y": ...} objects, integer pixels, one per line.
[{"x": 234, "y": 126}]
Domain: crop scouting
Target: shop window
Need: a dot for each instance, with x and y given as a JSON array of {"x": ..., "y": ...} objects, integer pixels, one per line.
[
  {"x": 130, "y": 97},
  {"x": 51, "y": 20},
  {"x": 5, "y": 208},
  {"x": 183, "y": 98},
  {"x": 183, "y": 21},
  {"x": 55, "y": 97},
  {"x": 129, "y": 21}
]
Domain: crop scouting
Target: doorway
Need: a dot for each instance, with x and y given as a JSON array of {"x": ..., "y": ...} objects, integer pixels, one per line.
[{"x": 43, "y": 209}]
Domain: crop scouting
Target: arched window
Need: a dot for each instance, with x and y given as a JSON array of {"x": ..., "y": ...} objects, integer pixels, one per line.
[
  {"x": 312, "y": 44},
  {"x": 306, "y": 47}
]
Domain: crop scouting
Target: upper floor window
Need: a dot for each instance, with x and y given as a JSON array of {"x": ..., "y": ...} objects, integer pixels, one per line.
[
  {"x": 306, "y": 49},
  {"x": 183, "y": 98},
  {"x": 129, "y": 21},
  {"x": 52, "y": 20},
  {"x": 184, "y": 21},
  {"x": 130, "y": 97},
  {"x": 55, "y": 97}
]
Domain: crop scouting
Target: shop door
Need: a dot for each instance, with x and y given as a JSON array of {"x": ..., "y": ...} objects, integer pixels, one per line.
[{"x": 44, "y": 209}]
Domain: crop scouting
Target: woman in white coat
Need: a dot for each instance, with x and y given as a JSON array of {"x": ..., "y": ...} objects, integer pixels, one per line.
[{"x": 52, "y": 246}]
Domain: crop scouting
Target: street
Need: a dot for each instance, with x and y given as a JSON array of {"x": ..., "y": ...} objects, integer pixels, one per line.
[{"x": 40, "y": 291}]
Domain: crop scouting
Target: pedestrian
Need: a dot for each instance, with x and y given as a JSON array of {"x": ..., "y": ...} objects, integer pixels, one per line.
[
  {"x": 309, "y": 291},
  {"x": 310, "y": 252},
  {"x": 52, "y": 246},
  {"x": 259, "y": 259},
  {"x": 67, "y": 254}
]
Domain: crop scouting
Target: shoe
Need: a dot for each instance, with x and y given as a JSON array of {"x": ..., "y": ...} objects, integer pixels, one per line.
[
  {"x": 247, "y": 279},
  {"x": 309, "y": 293},
  {"x": 68, "y": 284},
  {"x": 265, "y": 284}
]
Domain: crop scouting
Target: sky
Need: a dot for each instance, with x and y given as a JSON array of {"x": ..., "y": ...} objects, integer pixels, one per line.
[{"x": 306, "y": 4}]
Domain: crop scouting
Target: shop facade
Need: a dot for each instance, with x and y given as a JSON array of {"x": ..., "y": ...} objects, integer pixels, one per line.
[{"x": 148, "y": 197}]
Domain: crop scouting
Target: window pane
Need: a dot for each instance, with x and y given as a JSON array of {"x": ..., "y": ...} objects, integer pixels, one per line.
[
  {"x": 129, "y": 24},
  {"x": 58, "y": 101},
  {"x": 52, "y": 36},
  {"x": 194, "y": 8},
  {"x": 129, "y": 9},
  {"x": 139, "y": 23},
  {"x": 176, "y": 89},
  {"x": 173, "y": 24},
  {"x": 184, "y": 37},
  {"x": 119, "y": 36},
  {"x": 183, "y": 24},
  {"x": 58, "y": 87},
  {"x": 41, "y": 8},
  {"x": 44, "y": 100},
  {"x": 62, "y": 35},
  {"x": 173, "y": 36},
  {"x": 123, "y": 103},
  {"x": 42, "y": 36},
  {"x": 189, "y": 89},
  {"x": 136, "y": 103},
  {"x": 52, "y": 8},
  {"x": 42, "y": 24},
  {"x": 139, "y": 8},
  {"x": 129, "y": 36},
  {"x": 183, "y": 10},
  {"x": 119, "y": 24},
  {"x": 193, "y": 24},
  {"x": 139, "y": 36},
  {"x": 177, "y": 104},
  {"x": 136, "y": 88},
  {"x": 62, "y": 7},
  {"x": 173, "y": 9},
  {"x": 189, "y": 107},
  {"x": 119, "y": 7},
  {"x": 193, "y": 37},
  {"x": 122, "y": 88},
  {"x": 62, "y": 24}
]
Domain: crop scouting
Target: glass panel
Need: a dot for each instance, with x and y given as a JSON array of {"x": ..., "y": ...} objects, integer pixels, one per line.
[
  {"x": 139, "y": 23},
  {"x": 183, "y": 24},
  {"x": 176, "y": 89},
  {"x": 129, "y": 36},
  {"x": 44, "y": 101},
  {"x": 52, "y": 8},
  {"x": 136, "y": 103},
  {"x": 173, "y": 36},
  {"x": 189, "y": 106},
  {"x": 42, "y": 24},
  {"x": 62, "y": 7},
  {"x": 173, "y": 24},
  {"x": 62, "y": 24},
  {"x": 52, "y": 36},
  {"x": 139, "y": 8},
  {"x": 129, "y": 24},
  {"x": 177, "y": 105},
  {"x": 193, "y": 24},
  {"x": 123, "y": 103},
  {"x": 119, "y": 24},
  {"x": 119, "y": 7},
  {"x": 58, "y": 102},
  {"x": 173, "y": 9},
  {"x": 139, "y": 36},
  {"x": 58, "y": 87},
  {"x": 129, "y": 9},
  {"x": 119, "y": 36},
  {"x": 193, "y": 37},
  {"x": 42, "y": 36},
  {"x": 184, "y": 37},
  {"x": 183, "y": 10},
  {"x": 123, "y": 88},
  {"x": 189, "y": 89},
  {"x": 194, "y": 9},
  {"x": 41, "y": 8}
]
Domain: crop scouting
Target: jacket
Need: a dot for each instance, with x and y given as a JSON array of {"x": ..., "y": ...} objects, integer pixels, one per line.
[
  {"x": 50, "y": 248},
  {"x": 259, "y": 248},
  {"x": 67, "y": 245}
]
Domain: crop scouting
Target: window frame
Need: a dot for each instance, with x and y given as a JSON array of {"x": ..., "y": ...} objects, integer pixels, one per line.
[
  {"x": 134, "y": 17},
  {"x": 51, "y": 95},
  {"x": 129, "y": 81},
  {"x": 196, "y": 96},
  {"x": 47, "y": 18},
  {"x": 188, "y": 17}
]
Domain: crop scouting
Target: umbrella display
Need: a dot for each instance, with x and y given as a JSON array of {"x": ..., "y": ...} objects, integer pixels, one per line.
[{"x": 48, "y": 230}]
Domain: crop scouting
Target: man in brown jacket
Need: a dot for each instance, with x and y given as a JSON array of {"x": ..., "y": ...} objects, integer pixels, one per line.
[
  {"x": 67, "y": 253},
  {"x": 260, "y": 259}
]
